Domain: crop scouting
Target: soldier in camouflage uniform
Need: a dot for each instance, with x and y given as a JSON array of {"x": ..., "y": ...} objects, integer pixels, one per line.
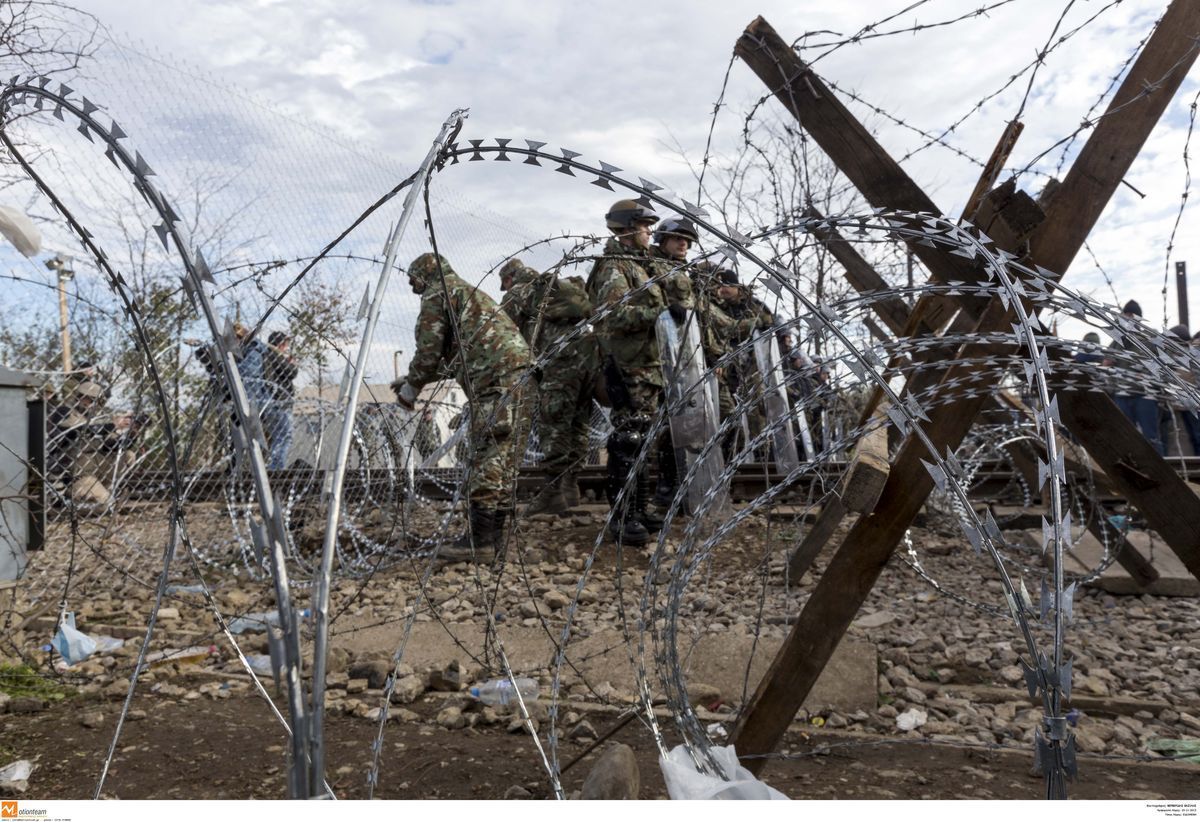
[
  {"x": 621, "y": 281},
  {"x": 749, "y": 316},
  {"x": 463, "y": 335},
  {"x": 514, "y": 273},
  {"x": 548, "y": 309},
  {"x": 720, "y": 334},
  {"x": 672, "y": 241}
]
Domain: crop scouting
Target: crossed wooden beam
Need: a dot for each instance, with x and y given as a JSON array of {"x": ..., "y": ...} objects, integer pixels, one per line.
[{"x": 1129, "y": 461}]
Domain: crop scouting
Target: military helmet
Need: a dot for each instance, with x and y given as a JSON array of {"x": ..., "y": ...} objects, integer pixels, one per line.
[
  {"x": 427, "y": 266},
  {"x": 625, "y": 213},
  {"x": 519, "y": 272},
  {"x": 676, "y": 227}
]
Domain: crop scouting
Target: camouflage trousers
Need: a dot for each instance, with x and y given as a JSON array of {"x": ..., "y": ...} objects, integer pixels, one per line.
[
  {"x": 493, "y": 449},
  {"x": 565, "y": 411},
  {"x": 645, "y": 390}
]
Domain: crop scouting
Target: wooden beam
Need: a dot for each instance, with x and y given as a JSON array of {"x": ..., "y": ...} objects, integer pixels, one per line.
[
  {"x": 849, "y": 577},
  {"x": 858, "y": 493},
  {"x": 856, "y": 566},
  {"x": 991, "y": 169},
  {"x": 1118, "y": 137},
  {"x": 862, "y": 276},
  {"x": 1142, "y": 476},
  {"x": 848, "y": 144}
]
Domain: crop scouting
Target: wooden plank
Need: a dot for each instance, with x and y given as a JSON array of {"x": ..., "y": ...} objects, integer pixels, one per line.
[
  {"x": 992, "y": 168},
  {"x": 816, "y": 538},
  {"x": 858, "y": 493},
  {"x": 868, "y": 470},
  {"x": 1118, "y": 137}
]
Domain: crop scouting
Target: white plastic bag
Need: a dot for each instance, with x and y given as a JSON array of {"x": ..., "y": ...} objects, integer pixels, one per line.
[
  {"x": 14, "y": 777},
  {"x": 911, "y": 719},
  {"x": 19, "y": 230},
  {"x": 72, "y": 645},
  {"x": 684, "y": 781}
]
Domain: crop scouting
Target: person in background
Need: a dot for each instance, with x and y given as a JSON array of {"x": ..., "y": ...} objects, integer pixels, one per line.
[
  {"x": 81, "y": 449},
  {"x": 279, "y": 375},
  {"x": 1139, "y": 408}
]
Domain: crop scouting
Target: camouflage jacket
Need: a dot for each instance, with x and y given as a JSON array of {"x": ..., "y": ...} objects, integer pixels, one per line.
[
  {"x": 627, "y": 333},
  {"x": 547, "y": 308},
  {"x": 487, "y": 353},
  {"x": 676, "y": 285}
]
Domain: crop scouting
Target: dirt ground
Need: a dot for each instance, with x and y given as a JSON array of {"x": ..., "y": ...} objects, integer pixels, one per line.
[
  {"x": 202, "y": 734},
  {"x": 182, "y": 751}
]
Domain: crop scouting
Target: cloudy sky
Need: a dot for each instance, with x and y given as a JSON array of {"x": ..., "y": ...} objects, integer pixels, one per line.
[{"x": 636, "y": 87}]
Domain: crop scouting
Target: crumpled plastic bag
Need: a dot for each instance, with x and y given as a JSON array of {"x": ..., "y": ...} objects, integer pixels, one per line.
[
  {"x": 911, "y": 719},
  {"x": 684, "y": 781},
  {"x": 72, "y": 645},
  {"x": 14, "y": 777}
]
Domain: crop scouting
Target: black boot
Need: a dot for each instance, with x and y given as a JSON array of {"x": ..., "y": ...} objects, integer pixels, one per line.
[
  {"x": 668, "y": 472},
  {"x": 648, "y": 517},
  {"x": 499, "y": 543},
  {"x": 478, "y": 544},
  {"x": 570, "y": 489},
  {"x": 624, "y": 525},
  {"x": 550, "y": 499}
]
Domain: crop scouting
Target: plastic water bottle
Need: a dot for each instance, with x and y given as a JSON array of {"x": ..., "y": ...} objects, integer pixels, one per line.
[{"x": 501, "y": 691}]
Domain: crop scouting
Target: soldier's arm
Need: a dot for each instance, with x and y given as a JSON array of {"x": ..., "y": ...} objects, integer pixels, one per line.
[
  {"x": 569, "y": 302},
  {"x": 511, "y": 305},
  {"x": 637, "y": 313},
  {"x": 681, "y": 289},
  {"x": 431, "y": 334}
]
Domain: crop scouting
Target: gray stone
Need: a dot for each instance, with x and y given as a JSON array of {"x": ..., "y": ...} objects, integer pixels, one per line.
[
  {"x": 556, "y": 600},
  {"x": 448, "y": 678},
  {"x": 91, "y": 719},
  {"x": 1088, "y": 740},
  {"x": 27, "y": 705},
  {"x": 408, "y": 690},
  {"x": 451, "y": 718},
  {"x": 1012, "y": 674},
  {"x": 700, "y": 693},
  {"x": 614, "y": 776},
  {"x": 517, "y": 725},
  {"x": 517, "y": 792},
  {"x": 583, "y": 730},
  {"x": 875, "y": 620},
  {"x": 374, "y": 671}
]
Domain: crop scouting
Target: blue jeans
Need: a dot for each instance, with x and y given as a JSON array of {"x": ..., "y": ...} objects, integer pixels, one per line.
[
  {"x": 1144, "y": 413},
  {"x": 277, "y": 424}
]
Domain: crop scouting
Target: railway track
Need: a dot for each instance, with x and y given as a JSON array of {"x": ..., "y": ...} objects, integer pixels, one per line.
[{"x": 993, "y": 481}]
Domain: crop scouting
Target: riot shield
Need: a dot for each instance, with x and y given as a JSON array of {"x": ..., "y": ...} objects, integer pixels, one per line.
[
  {"x": 778, "y": 409},
  {"x": 691, "y": 394}
]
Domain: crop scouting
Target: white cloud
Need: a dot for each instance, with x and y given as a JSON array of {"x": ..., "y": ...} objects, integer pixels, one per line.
[{"x": 611, "y": 82}]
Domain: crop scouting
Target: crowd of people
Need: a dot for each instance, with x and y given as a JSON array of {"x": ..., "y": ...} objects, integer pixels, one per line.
[
  {"x": 1155, "y": 420},
  {"x": 641, "y": 276}
]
